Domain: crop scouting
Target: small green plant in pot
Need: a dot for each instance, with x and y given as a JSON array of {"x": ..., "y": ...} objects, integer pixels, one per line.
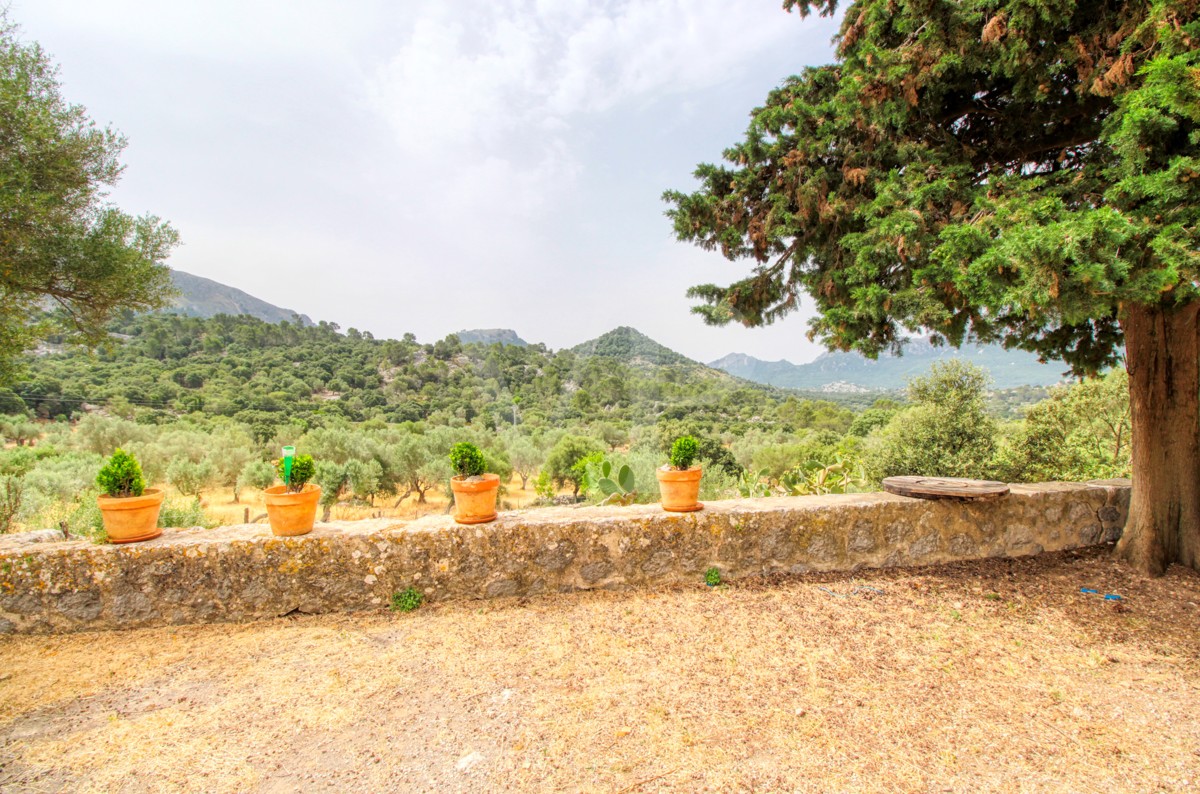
[
  {"x": 129, "y": 509},
  {"x": 679, "y": 480},
  {"x": 292, "y": 507},
  {"x": 474, "y": 489}
]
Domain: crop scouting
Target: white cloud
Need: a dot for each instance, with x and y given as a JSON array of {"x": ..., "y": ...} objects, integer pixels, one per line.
[
  {"x": 424, "y": 166},
  {"x": 491, "y": 93}
]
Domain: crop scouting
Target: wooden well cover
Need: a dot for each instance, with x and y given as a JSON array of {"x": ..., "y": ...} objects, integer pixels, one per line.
[{"x": 959, "y": 488}]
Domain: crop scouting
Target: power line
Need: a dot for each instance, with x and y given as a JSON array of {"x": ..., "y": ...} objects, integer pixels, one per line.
[{"x": 100, "y": 401}]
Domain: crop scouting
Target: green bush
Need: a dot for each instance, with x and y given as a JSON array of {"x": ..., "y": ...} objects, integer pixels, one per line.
[
  {"x": 684, "y": 452},
  {"x": 543, "y": 486},
  {"x": 407, "y": 600},
  {"x": 947, "y": 433},
  {"x": 563, "y": 461},
  {"x": 467, "y": 460},
  {"x": 1079, "y": 433},
  {"x": 12, "y": 490},
  {"x": 190, "y": 478},
  {"x": 303, "y": 470},
  {"x": 712, "y": 577},
  {"x": 255, "y": 474},
  {"x": 365, "y": 478},
  {"x": 121, "y": 476},
  {"x": 184, "y": 513}
]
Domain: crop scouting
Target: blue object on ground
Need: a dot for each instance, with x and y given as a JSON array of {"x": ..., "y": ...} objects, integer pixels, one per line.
[
  {"x": 1111, "y": 597},
  {"x": 1089, "y": 590}
]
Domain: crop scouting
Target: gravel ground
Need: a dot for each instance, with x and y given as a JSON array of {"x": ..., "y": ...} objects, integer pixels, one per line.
[{"x": 990, "y": 676}]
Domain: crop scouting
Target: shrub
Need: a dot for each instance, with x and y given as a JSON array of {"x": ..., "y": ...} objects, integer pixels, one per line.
[
  {"x": 365, "y": 478},
  {"x": 712, "y": 577},
  {"x": 121, "y": 476},
  {"x": 190, "y": 478},
  {"x": 467, "y": 460},
  {"x": 1079, "y": 433},
  {"x": 11, "y": 492},
  {"x": 544, "y": 486},
  {"x": 684, "y": 452},
  {"x": 184, "y": 513},
  {"x": 255, "y": 474},
  {"x": 947, "y": 433},
  {"x": 303, "y": 470},
  {"x": 562, "y": 462},
  {"x": 407, "y": 600}
]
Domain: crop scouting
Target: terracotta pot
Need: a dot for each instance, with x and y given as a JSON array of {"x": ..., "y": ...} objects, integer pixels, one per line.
[
  {"x": 680, "y": 489},
  {"x": 128, "y": 519},
  {"x": 292, "y": 514},
  {"x": 475, "y": 498}
]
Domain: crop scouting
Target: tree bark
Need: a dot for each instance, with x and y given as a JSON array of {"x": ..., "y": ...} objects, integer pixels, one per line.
[{"x": 1162, "y": 354}]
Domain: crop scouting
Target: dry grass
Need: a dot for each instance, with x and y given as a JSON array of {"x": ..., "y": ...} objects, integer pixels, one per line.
[{"x": 998, "y": 675}]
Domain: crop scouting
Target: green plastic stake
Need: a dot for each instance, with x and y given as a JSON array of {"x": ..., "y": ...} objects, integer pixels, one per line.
[{"x": 288, "y": 454}]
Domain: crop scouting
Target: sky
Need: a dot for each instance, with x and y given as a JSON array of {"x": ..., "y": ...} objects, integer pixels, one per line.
[{"x": 431, "y": 166}]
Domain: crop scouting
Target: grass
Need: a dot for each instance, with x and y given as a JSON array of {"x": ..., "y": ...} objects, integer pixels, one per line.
[{"x": 901, "y": 680}]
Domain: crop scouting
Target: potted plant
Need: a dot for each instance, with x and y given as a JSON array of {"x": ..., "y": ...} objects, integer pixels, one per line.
[
  {"x": 474, "y": 490},
  {"x": 292, "y": 507},
  {"x": 128, "y": 507},
  {"x": 679, "y": 480}
]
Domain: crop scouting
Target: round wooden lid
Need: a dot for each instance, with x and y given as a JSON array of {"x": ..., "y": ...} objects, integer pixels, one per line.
[{"x": 959, "y": 488}]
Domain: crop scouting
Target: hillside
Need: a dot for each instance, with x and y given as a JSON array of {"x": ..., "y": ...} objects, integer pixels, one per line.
[
  {"x": 634, "y": 348},
  {"x": 265, "y": 375},
  {"x": 203, "y": 297},
  {"x": 491, "y": 336},
  {"x": 848, "y": 372}
]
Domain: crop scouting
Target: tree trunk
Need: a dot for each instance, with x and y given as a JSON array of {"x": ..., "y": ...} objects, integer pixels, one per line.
[{"x": 1162, "y": 354}]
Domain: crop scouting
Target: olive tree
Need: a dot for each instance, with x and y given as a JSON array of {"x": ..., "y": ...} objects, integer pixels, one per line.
[{"x": 64, "y": 244}]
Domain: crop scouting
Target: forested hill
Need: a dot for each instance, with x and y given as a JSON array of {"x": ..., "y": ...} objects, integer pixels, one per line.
[
  {"x": 264, "y": 374},
  {"x": 203, "y": 297},
  {"x": 632, "y": 347}
]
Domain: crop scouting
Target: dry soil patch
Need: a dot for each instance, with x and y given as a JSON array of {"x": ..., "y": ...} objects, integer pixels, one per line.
[{"x": 985, "y": 676}]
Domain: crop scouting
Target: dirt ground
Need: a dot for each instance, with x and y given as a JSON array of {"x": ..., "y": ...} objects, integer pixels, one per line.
[{"x": 992, "y": 676}]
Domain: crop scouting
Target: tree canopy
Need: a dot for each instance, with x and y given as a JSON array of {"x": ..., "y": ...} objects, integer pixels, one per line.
[
  {"x": 1013, "y": 171},
  {"x": 1009, "y": 170},
  {"x": 62, "y": 244}
]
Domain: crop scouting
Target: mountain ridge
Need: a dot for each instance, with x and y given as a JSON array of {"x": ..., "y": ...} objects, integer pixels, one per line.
[
  {"x": 204, "y": 297},
  {"x": 838, "y": 371},
  {"x": 491, "y": 336}
]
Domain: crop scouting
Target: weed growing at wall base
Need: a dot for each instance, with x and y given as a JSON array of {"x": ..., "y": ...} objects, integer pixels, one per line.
[{"x": 407, "y": 600}]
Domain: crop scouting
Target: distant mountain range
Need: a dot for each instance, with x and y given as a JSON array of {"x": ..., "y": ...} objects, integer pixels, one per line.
[
  {"x": 830, "y": 372},
  {"x": 849, "y": 372},
  {"x": 203, "y": 297}
]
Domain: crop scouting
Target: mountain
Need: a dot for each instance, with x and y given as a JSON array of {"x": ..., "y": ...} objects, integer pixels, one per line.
[
  {"x": 489, "y": 336},
  {"x": 848, "y": 372},
  {"x": 631, "y": 346},
  {"x": 203, "y": 297}
]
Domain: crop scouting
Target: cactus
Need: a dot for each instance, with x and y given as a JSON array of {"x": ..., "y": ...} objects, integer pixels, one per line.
[{"x": 622, "y": 490}]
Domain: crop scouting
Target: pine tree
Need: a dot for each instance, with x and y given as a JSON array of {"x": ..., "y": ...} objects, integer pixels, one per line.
[{"x": 1012, "y": 171}]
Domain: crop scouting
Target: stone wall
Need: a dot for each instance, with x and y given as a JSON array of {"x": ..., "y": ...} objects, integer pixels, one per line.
[{"x": 242, "y": 572}]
